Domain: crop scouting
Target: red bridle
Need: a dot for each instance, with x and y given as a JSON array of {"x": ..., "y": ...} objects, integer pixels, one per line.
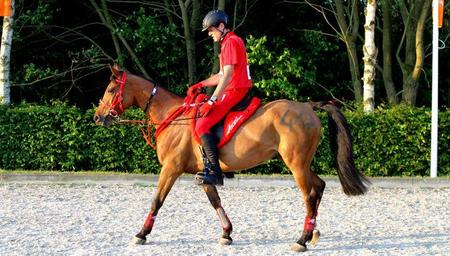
[
  {"x": 118, "y": 98},
  {"x": 118, "y": 101}
]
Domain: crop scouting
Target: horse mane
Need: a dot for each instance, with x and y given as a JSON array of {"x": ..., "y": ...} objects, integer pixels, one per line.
[
  {"x": 157, "y": 84},
  {"x": 119, "y": 68}
]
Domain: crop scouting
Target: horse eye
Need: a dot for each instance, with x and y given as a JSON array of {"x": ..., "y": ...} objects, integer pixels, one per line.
[{"x": 112, "y": 90}]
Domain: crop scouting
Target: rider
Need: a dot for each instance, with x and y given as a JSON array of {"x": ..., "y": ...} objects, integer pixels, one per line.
[{"x": 233, "y": 83}]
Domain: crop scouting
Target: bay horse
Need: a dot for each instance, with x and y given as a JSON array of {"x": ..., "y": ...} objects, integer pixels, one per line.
[{"x": 282, "y": 127}]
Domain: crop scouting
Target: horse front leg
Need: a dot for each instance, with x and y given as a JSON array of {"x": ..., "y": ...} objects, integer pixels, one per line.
[
  {"x": 166, "y": 180},
  {"x": 214, "y": 199}
]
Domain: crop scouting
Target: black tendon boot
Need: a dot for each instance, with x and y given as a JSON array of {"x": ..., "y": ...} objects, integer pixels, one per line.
[{"x": 212, "y": 174}]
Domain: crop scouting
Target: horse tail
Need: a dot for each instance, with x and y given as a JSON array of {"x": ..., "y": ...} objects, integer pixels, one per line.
[{"x": 353, "y": 182}]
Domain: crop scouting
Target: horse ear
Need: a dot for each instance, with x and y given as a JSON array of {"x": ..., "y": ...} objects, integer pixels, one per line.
[{"x": 115, "y": 69}]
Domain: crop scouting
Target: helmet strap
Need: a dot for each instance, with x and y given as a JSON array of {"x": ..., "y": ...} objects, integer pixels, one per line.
[{"x": 222, "y": 36}]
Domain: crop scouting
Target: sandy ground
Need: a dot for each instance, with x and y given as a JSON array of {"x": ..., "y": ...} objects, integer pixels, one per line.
[{"x": 100, "y": 218}]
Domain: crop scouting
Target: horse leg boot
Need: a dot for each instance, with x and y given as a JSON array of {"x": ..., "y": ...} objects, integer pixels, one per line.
[
  {"x": 212, "y": 174},
  {"x": 214, "y": 199},
  {"x": 140, "y": 238},
  {"x": 310, "y": 234}
]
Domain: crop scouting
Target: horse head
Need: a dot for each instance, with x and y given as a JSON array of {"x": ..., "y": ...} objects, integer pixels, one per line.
[{"x": 116, "y": 98}]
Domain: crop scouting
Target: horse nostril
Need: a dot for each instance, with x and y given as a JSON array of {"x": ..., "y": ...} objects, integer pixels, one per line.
[{"x": 96, "y": 118}]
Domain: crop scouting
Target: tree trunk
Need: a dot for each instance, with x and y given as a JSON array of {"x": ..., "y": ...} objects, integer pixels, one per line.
[
  {"x": 5, "y": 57},
  {"x": 417, "y": 71},
  {"x": 391, "y": 92},
  {"x": 408, "y": 64},
  {"x": 370, "y": 52},
  {"x": 354, "y": 69},
  {"x": 107, "y": 20},
  {"x": 189, "y": 25},
  {"x": 414, "y": 50},
  {"x": 349, "y": 35}
]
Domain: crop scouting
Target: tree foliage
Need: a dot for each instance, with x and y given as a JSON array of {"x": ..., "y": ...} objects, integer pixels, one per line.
[
  {"x": 62, "y": 48},
  {"x": 157, "y": 45}
]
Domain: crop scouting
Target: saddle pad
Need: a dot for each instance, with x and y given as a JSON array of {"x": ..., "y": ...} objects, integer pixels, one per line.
[{"x": 233, "y": 120}]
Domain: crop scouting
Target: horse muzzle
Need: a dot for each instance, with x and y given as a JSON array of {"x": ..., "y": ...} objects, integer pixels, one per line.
[{"x": 103, "y": 120}]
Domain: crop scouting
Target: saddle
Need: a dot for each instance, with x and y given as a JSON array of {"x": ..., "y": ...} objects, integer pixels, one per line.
[{"x": 227, "y": 127}]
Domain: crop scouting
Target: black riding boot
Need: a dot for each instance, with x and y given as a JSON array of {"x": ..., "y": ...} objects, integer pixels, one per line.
[{"x": 212, "y": 174}]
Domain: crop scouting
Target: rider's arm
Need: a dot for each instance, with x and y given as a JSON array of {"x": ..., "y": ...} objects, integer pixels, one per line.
[
  {"x": 224, "y": 80},
  {"x": 212, "y": 80}
]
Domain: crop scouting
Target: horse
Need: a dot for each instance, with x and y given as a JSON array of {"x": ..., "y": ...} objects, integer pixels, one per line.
[{"x": 285, "y": 128}]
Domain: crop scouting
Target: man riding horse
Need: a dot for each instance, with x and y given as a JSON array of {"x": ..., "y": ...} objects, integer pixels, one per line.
[
  {"x": 289, "y": 129},
  {"x": 233, "y": 83}
]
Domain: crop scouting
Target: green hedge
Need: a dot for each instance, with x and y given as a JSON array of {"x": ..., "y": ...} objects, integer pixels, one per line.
[
  {"x": 389, "y": 142},
  {"x": 392, "y": 142},
  {"x": 61, "y": 137}
]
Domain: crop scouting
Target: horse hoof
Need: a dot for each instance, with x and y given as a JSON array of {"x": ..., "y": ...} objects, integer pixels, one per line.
[
  {"x": 315, "y": 237},
  {"x": 298, "y": 248},
  {"x": 137, "y": 240},
  {"x": 225, "y": 241}
]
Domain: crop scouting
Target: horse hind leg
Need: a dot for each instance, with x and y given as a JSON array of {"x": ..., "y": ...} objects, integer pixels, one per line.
[
  {"x": 227, "y": 227},
  {"x": 312, "y": 195},
  {"x": 312, "y": 188}
]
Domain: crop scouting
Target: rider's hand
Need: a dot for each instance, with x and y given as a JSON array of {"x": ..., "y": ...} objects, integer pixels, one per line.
[
  {"x": 194, "y": 89},
  {"x": 207, "y": 107}
]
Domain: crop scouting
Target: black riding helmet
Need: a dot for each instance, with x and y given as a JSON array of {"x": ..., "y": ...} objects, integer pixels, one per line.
[{"x": 214, "y": 18}]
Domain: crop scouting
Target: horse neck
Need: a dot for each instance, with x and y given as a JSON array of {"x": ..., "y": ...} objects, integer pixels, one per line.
[{"x": 161, "y": 104}]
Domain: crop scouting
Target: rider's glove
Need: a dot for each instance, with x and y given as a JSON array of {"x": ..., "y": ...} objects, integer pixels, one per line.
[{"x": 194, "y": 89}]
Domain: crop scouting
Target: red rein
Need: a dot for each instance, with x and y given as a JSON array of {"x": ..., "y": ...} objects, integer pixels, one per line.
[{"x": 146, "y": 134}]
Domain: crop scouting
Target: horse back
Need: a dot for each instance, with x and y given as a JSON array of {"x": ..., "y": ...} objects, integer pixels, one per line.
[{"x": 260, "y": 137}]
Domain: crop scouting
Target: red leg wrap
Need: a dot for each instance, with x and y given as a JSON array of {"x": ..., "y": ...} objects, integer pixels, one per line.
[
  {"x": 310, "y": 223},
  {"x": 150, "y": 220}
]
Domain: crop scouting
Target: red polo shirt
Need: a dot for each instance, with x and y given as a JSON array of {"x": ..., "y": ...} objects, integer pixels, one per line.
[{"x": 233, "y": 52}]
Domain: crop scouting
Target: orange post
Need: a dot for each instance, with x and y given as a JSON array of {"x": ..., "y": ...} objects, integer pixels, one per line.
[
  {"x": 5, "y": 7},
  {"x": 440, "y": 13}
]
